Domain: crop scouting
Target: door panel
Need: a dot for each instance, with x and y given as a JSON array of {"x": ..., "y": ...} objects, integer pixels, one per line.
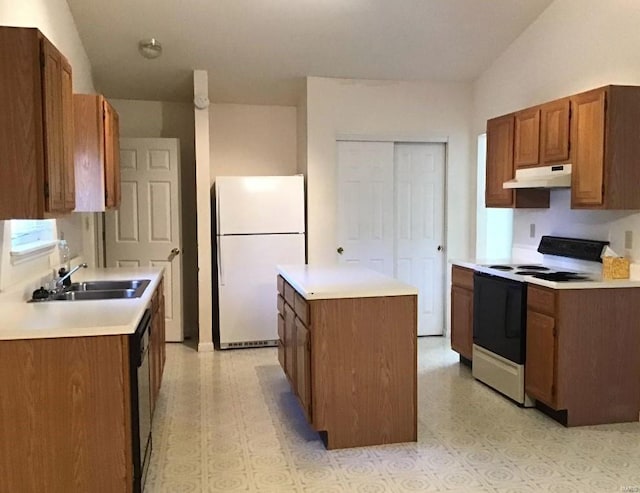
[
  {"x": 146, "y": 227},
  {"x": 419, "y": 183},
  {"x": 391, "y": 217},
  {"x": 365, "y": 204}
]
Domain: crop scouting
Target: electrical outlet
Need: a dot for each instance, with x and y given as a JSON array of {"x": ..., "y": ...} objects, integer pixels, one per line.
[
  {"x": 532, "y": 230},
  {"x": 628, "y": 240}
]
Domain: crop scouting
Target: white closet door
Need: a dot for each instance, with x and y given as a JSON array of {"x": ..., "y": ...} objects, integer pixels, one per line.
[
  {"x": 419, "y": 225},
  {"x": 391, "y": 217},
  {"x": 365, "y": 205}
]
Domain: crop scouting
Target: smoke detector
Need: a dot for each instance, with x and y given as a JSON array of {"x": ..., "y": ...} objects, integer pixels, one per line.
[{"x": 150, "y": 48}]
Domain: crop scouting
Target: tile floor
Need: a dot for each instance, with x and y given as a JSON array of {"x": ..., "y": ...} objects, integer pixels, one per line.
[{"x": 227, "y": 421}]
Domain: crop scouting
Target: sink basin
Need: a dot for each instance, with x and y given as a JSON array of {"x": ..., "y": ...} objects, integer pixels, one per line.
[
  {"x": 134, "y": 284},
  {"x": 95, "y": 295},
  {"x": 102, "y": 290}
]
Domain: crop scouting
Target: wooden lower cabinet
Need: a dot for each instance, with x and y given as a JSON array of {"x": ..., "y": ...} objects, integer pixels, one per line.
[
  {"x": 541, "y": 372},
  {"x": 582, "y": 353},
  {"x": 65, "y": 410},
  {"x": 65, "y": 416},
  {"x": 353, "y": 366},
  {"x": 157, "y": 347},
  {"x": 462, "y": 311}
]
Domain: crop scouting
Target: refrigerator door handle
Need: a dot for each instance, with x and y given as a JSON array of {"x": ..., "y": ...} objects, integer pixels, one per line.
[
  {"x": 219, "y": 245},
  {"x": 220, "y": 268}
]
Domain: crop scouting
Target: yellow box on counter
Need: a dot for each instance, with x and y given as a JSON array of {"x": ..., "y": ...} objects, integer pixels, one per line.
[{"x": 615, "y": 268}]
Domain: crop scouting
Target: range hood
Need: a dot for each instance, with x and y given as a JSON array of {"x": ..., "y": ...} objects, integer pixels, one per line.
[{"x": 556, "y": 176}]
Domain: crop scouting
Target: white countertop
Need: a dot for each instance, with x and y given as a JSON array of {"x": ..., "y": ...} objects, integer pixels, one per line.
[
  {"x": 51, "y": 319},
  {"x": 595, "y": 282},
  {"x": 317, "y": 282}
]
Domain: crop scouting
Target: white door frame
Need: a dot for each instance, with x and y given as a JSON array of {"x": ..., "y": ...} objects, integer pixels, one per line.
[{"x": 429, "y": 139}]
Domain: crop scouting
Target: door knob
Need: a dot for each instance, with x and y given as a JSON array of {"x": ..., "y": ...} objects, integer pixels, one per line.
[
  {"x": 439, "y": 248},
  {"x": 340, "y": 250},
  {"x": 174, "y": 253}
]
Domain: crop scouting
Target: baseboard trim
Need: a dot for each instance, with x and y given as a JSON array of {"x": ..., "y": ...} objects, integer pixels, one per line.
[{"x": 205, "y": 347}]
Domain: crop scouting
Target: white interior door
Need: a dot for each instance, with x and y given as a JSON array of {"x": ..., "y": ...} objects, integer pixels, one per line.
[
  {"x": 145, "y": 230},
  {"x": 419, "y": 225},
  {"x": 391, "y": 217},
  {"x": 365, "y": 205}
]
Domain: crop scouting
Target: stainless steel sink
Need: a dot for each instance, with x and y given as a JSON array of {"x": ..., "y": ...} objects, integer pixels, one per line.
[
  {"x": 134, "y": 284},
  {"x": 94, "y": 295},
  {"x": 102, "y": 290}
]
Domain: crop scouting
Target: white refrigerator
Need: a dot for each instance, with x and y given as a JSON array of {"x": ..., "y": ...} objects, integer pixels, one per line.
[{"x": 259, "y": 223}]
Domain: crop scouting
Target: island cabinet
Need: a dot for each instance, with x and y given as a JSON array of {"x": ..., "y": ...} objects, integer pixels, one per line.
[
  {"x": 37, "y": 177},
  {"x": 605, "y": 146},
  {"x": 500, "y": 167},
  {"x": 352, "y": 363},
  {"x": 462, "y": 311},
  {"x": 97, "y": 153},
  {"x": 581, "y": 353}
]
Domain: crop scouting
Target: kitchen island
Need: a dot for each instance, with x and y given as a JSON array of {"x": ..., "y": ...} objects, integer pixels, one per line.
[{"x": 347, "y": 343}]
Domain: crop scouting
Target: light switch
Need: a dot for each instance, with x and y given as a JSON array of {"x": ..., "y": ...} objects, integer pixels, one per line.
[{"x": 532, "y": 230}]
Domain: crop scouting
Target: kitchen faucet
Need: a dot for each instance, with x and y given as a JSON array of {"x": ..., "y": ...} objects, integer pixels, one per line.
[{"x": 67, "y": 275}]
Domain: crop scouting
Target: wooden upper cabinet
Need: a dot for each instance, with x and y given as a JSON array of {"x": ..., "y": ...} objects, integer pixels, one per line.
[
  {"x": 527, "y": 138},
  {"x": 605, "y": 148},
  {"x": 587, "y": 135},
  {"x": 499, "y": 161},
  {"x": 554, "y": 132},
  {"x": 500, "y": 168},
  {"x": 97, "y": 153},
  {"x": 36, "y": 176}
]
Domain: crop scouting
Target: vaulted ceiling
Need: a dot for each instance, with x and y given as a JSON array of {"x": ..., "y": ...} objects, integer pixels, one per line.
[{"x": 259, "y": 51}]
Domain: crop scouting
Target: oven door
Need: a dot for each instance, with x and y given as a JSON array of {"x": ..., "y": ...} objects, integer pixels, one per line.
[{"x": 499, "y": 316}]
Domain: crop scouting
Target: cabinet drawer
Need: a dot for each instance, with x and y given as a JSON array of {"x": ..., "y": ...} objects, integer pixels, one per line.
[
  {"x": 280, "y": 304},
  {"x": 541, "y": 300},
  {"x": 301, "y": 308},
  {"x": 281, "y": 282},
  {"x": 461, "y": 276},
  {"x": 289, "y": 293},
  {"x": 280, "y": 327}
]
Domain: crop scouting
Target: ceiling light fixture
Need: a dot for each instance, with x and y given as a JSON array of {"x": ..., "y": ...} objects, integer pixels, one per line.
[{"x": 150, "y": 48}]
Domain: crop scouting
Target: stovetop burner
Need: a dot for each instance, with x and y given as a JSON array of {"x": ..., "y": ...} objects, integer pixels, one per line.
[
  {"x": 533, "y": 267},
  {"x": 501, "y": 267},
  {"x": 561, "y": 276}
]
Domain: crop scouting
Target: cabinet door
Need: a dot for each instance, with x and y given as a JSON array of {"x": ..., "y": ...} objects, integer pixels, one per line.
[
  {"x": 111, "y": 157},
  {"x": 303, "y": 367},
  {"x": 499, "y": 161},
  {"x": 53, "y": 128},
  {"x": 289, "y": 343},
  {"x": 540, "y": 366},
  {"x": 554, "y": 132},
  {"x": 527, "y": 138},
  {"x": 68, "y": 161},
  {"x": 462, "y": 321},
  {"x": 587, "y": 142}
]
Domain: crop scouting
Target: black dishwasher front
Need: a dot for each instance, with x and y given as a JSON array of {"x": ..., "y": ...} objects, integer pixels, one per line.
[
  {"x": 500, "y": 316},
  {"x": 140, "y": 400}
]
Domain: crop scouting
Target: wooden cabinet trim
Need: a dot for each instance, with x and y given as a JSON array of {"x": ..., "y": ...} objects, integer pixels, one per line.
[
  {"x": 541, "y": 299},
  {"x": 280, "y": 283},
  {"x": 301, "y": 308}
]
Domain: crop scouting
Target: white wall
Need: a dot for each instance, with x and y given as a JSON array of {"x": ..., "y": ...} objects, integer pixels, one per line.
[
  {"x": 386, "y": 109},
  {"x": 252, "y": 140},
  {"x": 574, "y": 45},
  {"x": 173, "y": 120},
  {"x": 54, "y": 19}
]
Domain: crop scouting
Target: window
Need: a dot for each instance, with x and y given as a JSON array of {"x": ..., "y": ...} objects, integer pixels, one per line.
[{"x": 32, "y": 238}]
